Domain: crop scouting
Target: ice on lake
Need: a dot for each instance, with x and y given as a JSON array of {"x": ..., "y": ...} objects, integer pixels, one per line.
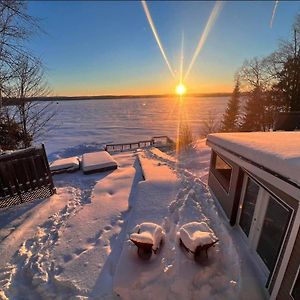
[{"x": 94, "y": 123}]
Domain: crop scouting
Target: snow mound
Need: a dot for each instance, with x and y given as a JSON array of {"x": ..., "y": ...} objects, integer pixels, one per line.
[
  {"x": 65, "y": 164},
  {"x": 97, "y": 162},
  {"x": 196, "y": 234},
  {"x": 148, "y": 233}
]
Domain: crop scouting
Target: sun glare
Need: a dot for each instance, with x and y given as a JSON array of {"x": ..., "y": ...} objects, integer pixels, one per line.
[{"x": 180, "y": 89}]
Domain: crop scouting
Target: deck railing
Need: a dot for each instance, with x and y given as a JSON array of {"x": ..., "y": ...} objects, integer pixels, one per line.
[
  {"x": 24, "y": 176},
  {"x": 156, "y": 141}
]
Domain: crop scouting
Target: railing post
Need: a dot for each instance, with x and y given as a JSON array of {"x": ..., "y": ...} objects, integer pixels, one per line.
[{"x": 46, "y": 163}]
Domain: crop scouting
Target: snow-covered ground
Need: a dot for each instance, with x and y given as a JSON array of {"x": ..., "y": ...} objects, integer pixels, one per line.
[{"x": 75, "y": 245}]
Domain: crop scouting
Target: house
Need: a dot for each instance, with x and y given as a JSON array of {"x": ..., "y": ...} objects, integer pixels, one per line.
[
  {"x": 287, "y": 121},
  {"x": 255, "y": 178}
]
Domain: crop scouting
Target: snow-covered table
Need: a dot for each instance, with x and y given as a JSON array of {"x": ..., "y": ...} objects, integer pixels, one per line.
[
  {"x": 65, "y": 165},
  {"x": 98, "y": 162}
]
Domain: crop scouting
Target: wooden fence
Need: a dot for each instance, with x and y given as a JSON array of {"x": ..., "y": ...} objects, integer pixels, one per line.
[
  {"x": 24, "y": 176},
  {"x": 156, "y": 141}
]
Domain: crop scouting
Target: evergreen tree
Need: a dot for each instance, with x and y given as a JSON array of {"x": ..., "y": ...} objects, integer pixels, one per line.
[
  {"x": 254, "y": 118},
  {"x": 231, "y": 115},
  {"x": 287, "y": 64},
  {"x": 289, "y": 83}
]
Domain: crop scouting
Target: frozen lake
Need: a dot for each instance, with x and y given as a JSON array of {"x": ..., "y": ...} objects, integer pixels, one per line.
[{"x": 89, "y": 124}]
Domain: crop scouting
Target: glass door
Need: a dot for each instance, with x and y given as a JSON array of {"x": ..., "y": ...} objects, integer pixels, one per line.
[
  {"x": 275, "y": 224},
  {"x": 248, "y": 206},
  {"x": 264, "y": 220}
]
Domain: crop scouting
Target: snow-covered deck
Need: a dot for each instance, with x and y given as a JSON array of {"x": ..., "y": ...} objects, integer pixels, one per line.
[
  {"x": 75, "y": 245},
  {"x": 276, "y": 151}
]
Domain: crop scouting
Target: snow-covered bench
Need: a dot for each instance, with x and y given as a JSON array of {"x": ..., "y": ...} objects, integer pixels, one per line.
[
  {"x": 147, "y": 237},
  {"x": 197, "y": 238},
  {"x": 64, "y": 165},
  {"x": 98, "y": 162}
]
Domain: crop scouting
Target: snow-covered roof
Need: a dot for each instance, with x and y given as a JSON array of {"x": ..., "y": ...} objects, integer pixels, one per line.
[{"x": 276, "y": 151}]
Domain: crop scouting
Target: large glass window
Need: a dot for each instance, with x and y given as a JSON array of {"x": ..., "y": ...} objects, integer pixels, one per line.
[
  {"x": 275, "y": 223},
  {"x": 222, "y": 171},
  {"x": 296, "y": 288},
  {"x": 249, "y": 203}
]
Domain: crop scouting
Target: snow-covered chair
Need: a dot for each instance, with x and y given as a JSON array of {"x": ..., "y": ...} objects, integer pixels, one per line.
[
  {"x": 197, "y": 238},
  {"x": 148, "y": 238}
]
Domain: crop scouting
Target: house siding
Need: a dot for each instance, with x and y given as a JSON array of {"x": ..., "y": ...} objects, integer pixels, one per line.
[{"x": 290, "y": 273}]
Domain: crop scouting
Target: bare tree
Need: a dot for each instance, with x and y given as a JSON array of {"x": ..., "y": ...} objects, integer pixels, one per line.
[
  {"x": 185, "y": 137},
  {"x": 15, "y": 27},
  {"x": 28, "y": 84},
  {"x": 211, "y": 124},
  {"x": 257, "y": 79},
  {"x": 255, "y": 73}
]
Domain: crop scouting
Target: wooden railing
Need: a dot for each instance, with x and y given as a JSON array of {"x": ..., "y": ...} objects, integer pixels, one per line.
[
  {"x": 156, "y": 141},
  {"x": 24, "y": 176}
]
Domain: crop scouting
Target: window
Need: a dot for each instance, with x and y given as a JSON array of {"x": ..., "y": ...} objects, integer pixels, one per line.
[
  {"x": 222, "y": 170},
  {"x": 295, "y": 292},
  {"x": 248, "y": 206},
  {"x": 275, "y": 224}
]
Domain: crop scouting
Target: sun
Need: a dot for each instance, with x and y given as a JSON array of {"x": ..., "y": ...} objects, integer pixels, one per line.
[{"x": 180, "y": 89}]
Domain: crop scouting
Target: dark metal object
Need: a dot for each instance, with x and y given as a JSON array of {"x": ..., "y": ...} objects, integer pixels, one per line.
[
  {"x": 199, "y": 250},
  {"x": 144, "y": 250}
]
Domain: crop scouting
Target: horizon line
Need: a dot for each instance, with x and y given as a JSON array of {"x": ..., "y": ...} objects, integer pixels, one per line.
[{"x": 137, "y": 95}]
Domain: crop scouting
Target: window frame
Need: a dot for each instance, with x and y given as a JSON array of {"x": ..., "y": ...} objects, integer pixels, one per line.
[
  {"x": 294, "y": 282},
  {"x": 217, "y": 174},
  {"x": 252, "y": 241}
]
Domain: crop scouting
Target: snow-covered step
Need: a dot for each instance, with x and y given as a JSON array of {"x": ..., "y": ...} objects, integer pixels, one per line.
[
  {"x": 155, "y": 171},
  {"x": 154, "y": 195},
  {"x": 163, "y": 155}
]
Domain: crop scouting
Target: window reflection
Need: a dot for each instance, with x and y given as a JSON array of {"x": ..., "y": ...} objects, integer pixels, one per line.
[{"x": 250, "y": 199}]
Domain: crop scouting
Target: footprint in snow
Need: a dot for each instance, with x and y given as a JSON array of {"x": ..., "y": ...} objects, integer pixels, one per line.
[{"x": 107, "y": 227}]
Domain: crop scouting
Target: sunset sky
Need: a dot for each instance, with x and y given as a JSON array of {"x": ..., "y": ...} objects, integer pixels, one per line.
[{"x": 95, "y": 48}]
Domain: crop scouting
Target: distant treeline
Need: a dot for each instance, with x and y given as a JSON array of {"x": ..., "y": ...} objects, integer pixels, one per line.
[{"x": 16, "y": 101}]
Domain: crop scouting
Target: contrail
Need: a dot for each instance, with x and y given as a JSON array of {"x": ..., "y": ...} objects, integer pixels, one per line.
[
  {"x": 273, "y": 13},
  {"x": 157, "y": 37},
  {"x": 212, "y": 18},
  {"x": 181, "y": 59}
]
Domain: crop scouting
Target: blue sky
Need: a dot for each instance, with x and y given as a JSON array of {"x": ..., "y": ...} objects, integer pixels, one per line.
[{"x": 93, "y": 48}]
